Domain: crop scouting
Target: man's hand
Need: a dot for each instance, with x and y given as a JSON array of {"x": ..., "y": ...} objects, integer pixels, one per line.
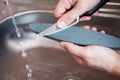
[
  {"x": 68, "y": 10},
  {"x": 99, "y": 57}
]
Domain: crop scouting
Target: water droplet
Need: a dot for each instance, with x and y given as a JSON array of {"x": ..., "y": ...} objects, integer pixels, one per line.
[
  {"x": 71, "y": 79},
  {"x": 30, "y": 70},
  {"x": 18, "y": 35},
  {"x": 14, "y": 21},
  {"x": 29, "y": 75},
  {"x": 27, "y": 66},
  {"x": 24, "y": 54}
]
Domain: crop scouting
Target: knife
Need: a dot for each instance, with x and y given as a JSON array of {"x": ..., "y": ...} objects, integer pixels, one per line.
[{"x": 54, "y": 29}]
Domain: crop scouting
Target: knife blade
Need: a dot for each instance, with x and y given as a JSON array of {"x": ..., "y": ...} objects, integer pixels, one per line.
[{"x": 54, "y": 29}]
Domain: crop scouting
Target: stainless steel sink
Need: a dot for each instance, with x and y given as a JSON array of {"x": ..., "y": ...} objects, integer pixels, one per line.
[{"x": 46, "y": 59}]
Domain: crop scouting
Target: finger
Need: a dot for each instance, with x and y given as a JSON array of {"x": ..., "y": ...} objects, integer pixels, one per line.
[
  {"x": 86, "y": 27},
  {"x": 94, "y": 29},
  {"x": 73, "y": 49},
  {"x": 88, "y": 17},
  {"x": 67, "y": 18},
  {"x": 78, "y": 59},
  {"x": 103, "y": 31},
  {"x": 96, "y": 14},
  {"x": 62, "y": 6},
  {"x": 85, "y": 18}
]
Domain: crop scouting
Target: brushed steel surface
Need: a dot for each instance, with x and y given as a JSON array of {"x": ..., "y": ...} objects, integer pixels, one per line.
[{"x": 47, "y": 60}]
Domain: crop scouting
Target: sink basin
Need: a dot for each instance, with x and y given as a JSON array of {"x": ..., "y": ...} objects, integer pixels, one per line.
[{"x": 46, "y": 60}]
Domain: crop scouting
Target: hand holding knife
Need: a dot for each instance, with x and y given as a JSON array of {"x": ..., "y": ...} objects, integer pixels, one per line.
[{"x": 54, "y": 29}]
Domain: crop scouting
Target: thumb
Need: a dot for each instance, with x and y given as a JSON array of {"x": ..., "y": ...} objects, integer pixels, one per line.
[
  {"x": 62, "y": 7},
  {"x": 61, "y": 12},
  {"x": 67, "y": 18}
]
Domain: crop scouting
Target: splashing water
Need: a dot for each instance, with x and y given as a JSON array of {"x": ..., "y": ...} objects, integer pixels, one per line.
[
  {"x": 9, "y": 6},
  {"x": 24, "y": 53},
  {"x": 29, "y": 72}
]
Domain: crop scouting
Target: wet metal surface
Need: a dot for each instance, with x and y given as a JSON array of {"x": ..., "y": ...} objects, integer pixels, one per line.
[
  {"x": 109, "y": 11},
  {"x": 46, "y": 59}
]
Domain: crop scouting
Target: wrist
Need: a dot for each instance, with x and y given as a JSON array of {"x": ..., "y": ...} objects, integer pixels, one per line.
[{"x": 116, "y": 68}]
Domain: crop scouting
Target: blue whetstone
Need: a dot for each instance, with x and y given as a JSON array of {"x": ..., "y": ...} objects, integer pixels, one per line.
[{"x": 80, "y": 36}]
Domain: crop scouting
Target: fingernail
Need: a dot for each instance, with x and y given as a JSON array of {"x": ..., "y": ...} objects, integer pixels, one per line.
[
  {"x": 61, "y": 24},
  {"x": 102, "y": 31}
]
